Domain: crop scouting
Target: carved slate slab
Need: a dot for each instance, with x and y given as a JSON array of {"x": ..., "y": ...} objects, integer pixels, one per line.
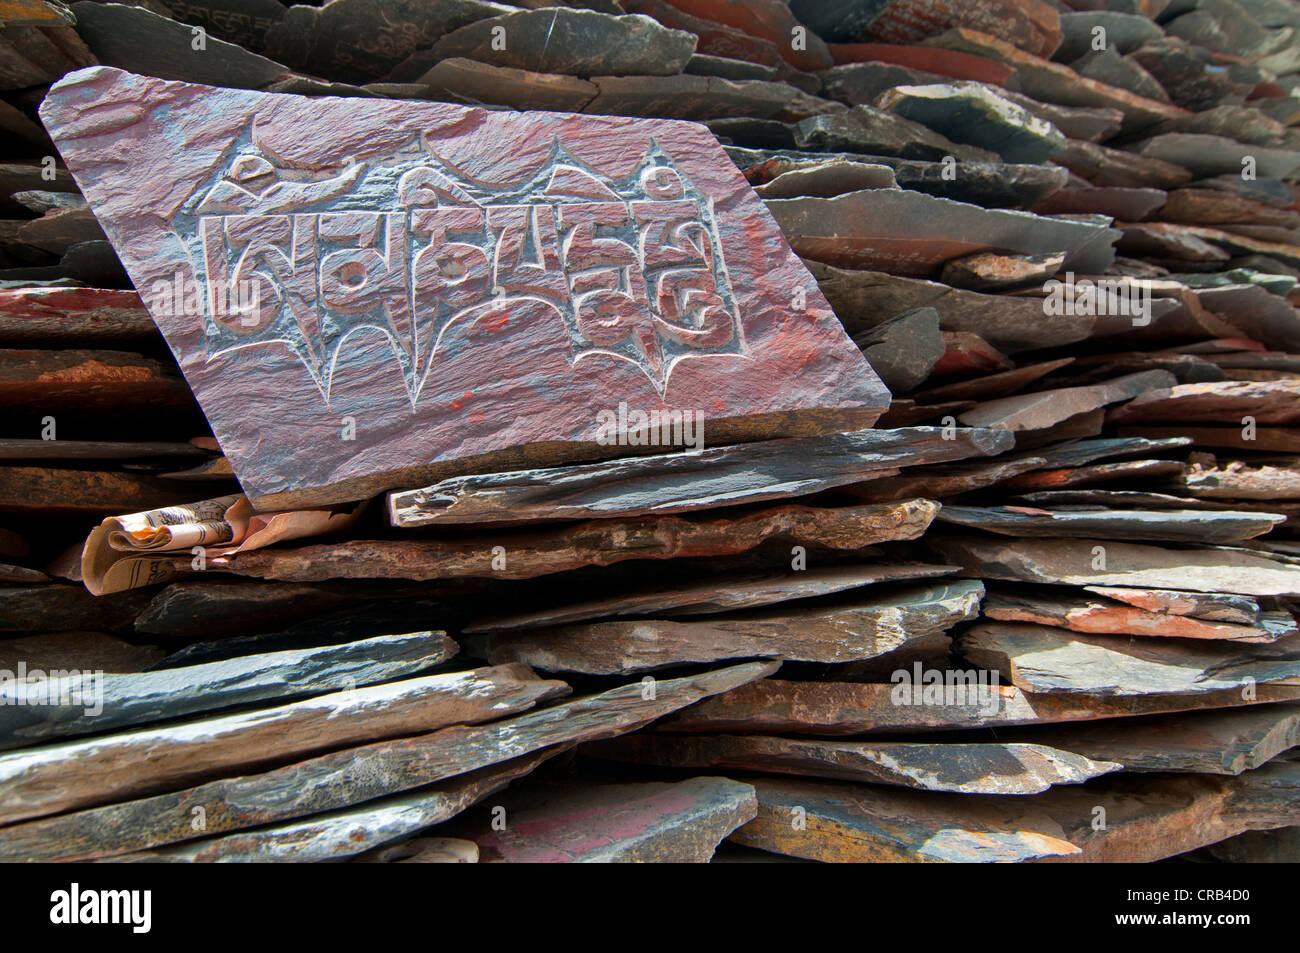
[{"x": 376, "y": 294}]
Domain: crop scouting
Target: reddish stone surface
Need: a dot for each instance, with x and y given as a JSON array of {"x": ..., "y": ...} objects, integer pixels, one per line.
[
  {"x": 455, "y": 289},
  {"x": 930, "y": 59},
  {"x": 769, "y": 20}
]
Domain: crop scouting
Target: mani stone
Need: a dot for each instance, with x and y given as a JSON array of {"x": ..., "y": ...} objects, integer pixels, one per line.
[
  {"x": 974, "y": 114},
  {"x": 390, "y": 292}
]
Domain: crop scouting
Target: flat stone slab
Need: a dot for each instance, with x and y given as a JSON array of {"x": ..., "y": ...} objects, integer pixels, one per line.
[
  {"x": 976, "y": 115},
  {"x": 584, "y": 822},
  {"x": 50, "y": 779},
  {"x": 1050, "y": 407},
  {"x": 353, "y": 775},
  {"x": 979, "y": 768},
  {"x": 688, "y": 481},
  {"x": 68, "y": 709},
  {"x": 1194, "y": 526},
  {"x": 575, "y": 42},
  {"x": 775, "y": 706},
  {"x": 600, "y": 542},
  {"x": 850, "y": 630},
  {"x": 1102, "y": 616},
  {"x": 1268, "y": 402},
  {"x": 420, "y": 275},
  {"x": 351, "y": 831},
  {"x": 1208, "y": 742},
  {"x": 1073, "y": 562},
  {"x": 913, "y": 234},
  {"x": 1147, "y": 819},
  {"x": 133, "y": 38},
  {"x": 1039, "y": 658},
  {"x": 712, "y": 596}
]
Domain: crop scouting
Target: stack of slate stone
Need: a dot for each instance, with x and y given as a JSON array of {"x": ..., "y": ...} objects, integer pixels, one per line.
[{"x": 1034, "y": 601}]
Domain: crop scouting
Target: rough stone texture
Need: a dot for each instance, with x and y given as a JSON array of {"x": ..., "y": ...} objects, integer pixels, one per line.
[
  {"x": 979, "y": 768},
  {"x": 863, "y": 298},
  {"x": 1269, "y": 402},
  {"x": 860, "y": 628},
  {"x": 1210, "y": 742},
  {"x": 435, "y": 391},
  {"x": 1029, "y": 25},
  {"x": 593, "y": 543},
  {"x": 360, "y": 40},
  {"x": 987, "y": 271},
  {"x": 987, "y": 184},
  {"x": 1038, "y": 658},
  {"x": 71, "y": 315},
  {"x": 1050, "y": 407},
  {"x": 135, "y": 699},
  {"x": 856, "y": 823},
  {"x": 1057, "y": 83},
  {"x": 904, "y": 349},
  {"x": 354, "y": 775},
  {"x": 575, "y": 42},
  {"x": 1206, "y": 156},
  {"x": 912, "y": 234},
  {"x": 1103, "y": 166},
  {"x": 687, "y": 481},
  {"x": 1147, "y": 819},
  {"x": 827, "y": 179},
  {"x": 974, "y": 114},
  {"x": 1193, "y": 526},
  {"x": 133, "y": 38},
  {"x": 346, "y": 833},
  {"x": 871, "y": 131},
  {"x": 711, "y": 595},
  {"x": 774, "y": 706},
  {"x": 50, "y": 779},
  {"x": 1073, "y": 562},
  {"x": 1102, "y": 616},
  {"x": 1124, "y": 32},
  {"x": 700, "y": 98},
  {"x": 769, "y": 20},
  {"x": 470, "y": 82},
  {"x": 582, "y": 822}
]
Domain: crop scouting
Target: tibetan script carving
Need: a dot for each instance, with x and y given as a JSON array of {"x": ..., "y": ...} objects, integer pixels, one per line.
[
  {"x": 633, "y": 268},
  {"x": 368, "y": 294}
]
